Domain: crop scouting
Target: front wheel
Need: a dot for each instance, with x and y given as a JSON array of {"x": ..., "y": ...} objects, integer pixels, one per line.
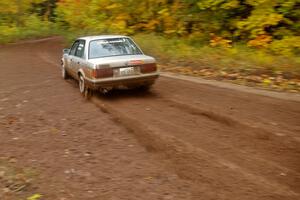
[{"x": 64, "y": 73}]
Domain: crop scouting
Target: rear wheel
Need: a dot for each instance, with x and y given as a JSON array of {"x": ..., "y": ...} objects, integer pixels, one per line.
[
  {"x": 145, "y": 87},
  {"x": 84, "y": 91},
  {"x": 81, "y": 84}
]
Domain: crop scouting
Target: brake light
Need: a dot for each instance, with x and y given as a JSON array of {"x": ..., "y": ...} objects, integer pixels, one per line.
[
  {"x": 102, "y": 73},
  {"x": 136, "y": 62},
  {"x": 148, "y": 68}
]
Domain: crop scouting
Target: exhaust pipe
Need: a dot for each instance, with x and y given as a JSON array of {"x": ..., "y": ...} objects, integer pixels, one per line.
[{"x": 104, "y": 90}]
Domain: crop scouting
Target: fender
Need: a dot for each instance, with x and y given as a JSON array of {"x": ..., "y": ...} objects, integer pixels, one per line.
[{"x": 80, "y": 71}]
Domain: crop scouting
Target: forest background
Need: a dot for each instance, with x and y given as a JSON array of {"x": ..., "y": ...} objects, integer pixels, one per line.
[{"x": 252, "y": 42}]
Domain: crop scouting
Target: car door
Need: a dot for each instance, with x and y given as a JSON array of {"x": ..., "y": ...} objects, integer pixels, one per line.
[
  {"x": 79, "y": 60},
  {"x": 70, "y": 67}
]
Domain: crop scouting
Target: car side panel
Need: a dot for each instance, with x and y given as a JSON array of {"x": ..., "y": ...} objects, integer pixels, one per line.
[
  {"x": 72, "y": 66},
  {"x": 81, "y": 65}
]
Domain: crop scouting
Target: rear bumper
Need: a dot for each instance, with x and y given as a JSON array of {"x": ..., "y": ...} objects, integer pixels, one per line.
[{"x": 127, "y": 81}]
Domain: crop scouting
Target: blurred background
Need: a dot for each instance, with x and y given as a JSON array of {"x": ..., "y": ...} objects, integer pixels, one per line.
[{"x": 251, "y": 42}]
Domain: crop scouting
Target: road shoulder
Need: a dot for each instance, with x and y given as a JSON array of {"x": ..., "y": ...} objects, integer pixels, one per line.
[{"x": 241, "y": 88}]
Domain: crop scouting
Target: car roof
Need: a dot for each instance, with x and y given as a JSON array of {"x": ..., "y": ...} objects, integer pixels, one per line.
[{"x": 99, "y": 37}]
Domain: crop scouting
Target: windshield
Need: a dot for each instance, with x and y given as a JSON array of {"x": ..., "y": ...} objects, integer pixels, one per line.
[{"x": 112, "y": 47}]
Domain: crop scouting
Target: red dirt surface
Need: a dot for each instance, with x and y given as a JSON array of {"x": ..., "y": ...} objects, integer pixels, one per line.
[{"x": 181, "y": 140}]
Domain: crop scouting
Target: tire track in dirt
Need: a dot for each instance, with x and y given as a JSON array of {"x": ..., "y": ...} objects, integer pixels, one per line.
[
  {"x": 191, "y": 162},
  {"x": 276, "y": 115},
  {"x": 237, "y": 134},
  {"x": 231, "y": 122}
]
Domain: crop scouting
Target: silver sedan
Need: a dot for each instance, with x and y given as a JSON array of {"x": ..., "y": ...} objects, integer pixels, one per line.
[{"x": 106, "y": 62}]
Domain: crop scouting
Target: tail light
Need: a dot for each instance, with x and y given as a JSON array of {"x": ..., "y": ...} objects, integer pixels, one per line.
[
  {"x": 103, "y": 73},
  {"x": 148, "y": 68}
]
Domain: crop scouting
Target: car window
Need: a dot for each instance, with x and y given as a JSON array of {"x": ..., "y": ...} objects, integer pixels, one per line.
[
  {"x": 74, "y": 47},
  {"x": 112, "y": 47},
  {"x": 80, "y": 49}
]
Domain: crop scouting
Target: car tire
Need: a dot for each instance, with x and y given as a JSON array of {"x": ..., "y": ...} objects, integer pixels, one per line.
[
  {"x": 145, "y": 88},
  {"x": 84, "y": 91},
  {"x": 82, "y": 87},
  {"x": 64, "y": 73}
]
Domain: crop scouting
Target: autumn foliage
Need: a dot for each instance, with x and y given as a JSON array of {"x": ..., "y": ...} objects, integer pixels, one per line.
[
  {"x": 256, "y": 22},
  {"x": 263, "y": 24},
  {"x": 256, "y": 41}
]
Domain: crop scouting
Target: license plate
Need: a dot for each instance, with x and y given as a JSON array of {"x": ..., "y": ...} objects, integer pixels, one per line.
[{"x": 126, "y": 71}]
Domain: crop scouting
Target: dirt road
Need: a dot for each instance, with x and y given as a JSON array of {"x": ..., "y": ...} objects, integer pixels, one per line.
[{"x": 182, "y": 140}]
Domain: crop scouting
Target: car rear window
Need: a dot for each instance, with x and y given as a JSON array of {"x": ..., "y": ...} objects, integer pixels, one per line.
[{"x": 112, "y": 47}]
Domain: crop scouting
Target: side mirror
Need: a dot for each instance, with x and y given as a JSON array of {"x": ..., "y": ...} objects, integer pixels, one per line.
[{"x": 66, "y": 51}]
